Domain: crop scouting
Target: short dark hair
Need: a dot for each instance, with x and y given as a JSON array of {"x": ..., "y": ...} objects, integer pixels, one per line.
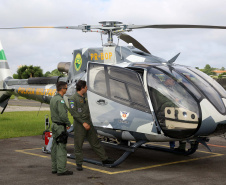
[
  {"x": 60, "y": 85},
  {"x": 80, "y": 84}
]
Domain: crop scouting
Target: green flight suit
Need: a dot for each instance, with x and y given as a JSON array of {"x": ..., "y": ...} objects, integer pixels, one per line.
[
  {"x": 59, "y": 114},
  {"x": 79, "y": 109}
]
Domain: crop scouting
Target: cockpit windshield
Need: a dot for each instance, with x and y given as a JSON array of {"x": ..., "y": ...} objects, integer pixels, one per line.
[
  {"x": 175, "y": 101},
  {"x": 209, "y": 88}
]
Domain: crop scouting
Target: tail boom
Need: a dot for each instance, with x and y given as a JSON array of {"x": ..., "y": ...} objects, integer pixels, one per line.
[{"x": 4, "y": 74}]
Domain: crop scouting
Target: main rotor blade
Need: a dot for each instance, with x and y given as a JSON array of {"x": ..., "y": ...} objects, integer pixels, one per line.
[
  {"x": 169, "y": 26},
  {"x": 102, "y": 27},
  {"x": 128, "y": 39},
  {"x": 59, "y": 27}
]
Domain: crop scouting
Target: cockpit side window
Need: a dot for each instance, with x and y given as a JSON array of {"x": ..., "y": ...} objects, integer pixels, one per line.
[
  {"x": 175, "y": 107},
  {"x": 118, "y": 91},
  {"x": 97, "y": 81},
  {"x": 123, "y": 86},
  {"x": 126, "y": 88}
]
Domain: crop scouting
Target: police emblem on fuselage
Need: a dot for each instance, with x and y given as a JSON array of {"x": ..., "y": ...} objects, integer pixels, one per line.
[
  {"x": 124, "y": 115},
  {"x": 78, "y": 62}
]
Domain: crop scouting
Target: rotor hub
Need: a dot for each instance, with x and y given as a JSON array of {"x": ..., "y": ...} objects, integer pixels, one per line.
[{"x": 110, "y": 23}]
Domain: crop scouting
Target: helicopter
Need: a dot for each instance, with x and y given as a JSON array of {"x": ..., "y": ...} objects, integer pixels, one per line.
[{"x": 134, "y": 96}]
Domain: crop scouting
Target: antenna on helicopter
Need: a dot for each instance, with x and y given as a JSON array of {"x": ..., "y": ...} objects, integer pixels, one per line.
[{"x": 173, "y": 59}]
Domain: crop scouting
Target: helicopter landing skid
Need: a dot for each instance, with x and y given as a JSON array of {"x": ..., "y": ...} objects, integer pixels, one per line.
[
  {"x": 194, "y": 147},
  {"x": 128, "y": 151}
]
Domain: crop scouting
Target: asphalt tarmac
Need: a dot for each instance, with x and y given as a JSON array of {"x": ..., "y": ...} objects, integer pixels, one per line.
[
  {"x": 16, "y": 105},
  {"x": 26, "y": 102},
  {"x": 23, "y": 162}
]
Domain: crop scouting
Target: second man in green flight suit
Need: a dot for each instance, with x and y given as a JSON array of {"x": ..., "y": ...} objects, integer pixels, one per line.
[{"x": 83, "y": 127}]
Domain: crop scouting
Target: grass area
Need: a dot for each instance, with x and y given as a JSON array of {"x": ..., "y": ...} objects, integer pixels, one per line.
[
  {"x": 19, "y": 97},
  {"x": 20, "y": 124}
]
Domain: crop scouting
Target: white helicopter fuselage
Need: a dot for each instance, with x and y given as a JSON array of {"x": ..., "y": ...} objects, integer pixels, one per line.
[{"x": 129, "y": 98}]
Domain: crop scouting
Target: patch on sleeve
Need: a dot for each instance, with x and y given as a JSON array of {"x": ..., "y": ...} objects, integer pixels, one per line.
[
  {"x": 62, "y": 101},
  {"x": 72, "y": 104}
]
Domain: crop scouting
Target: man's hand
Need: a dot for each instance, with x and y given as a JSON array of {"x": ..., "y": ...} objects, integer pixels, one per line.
[{"x": 86, "y": 126}]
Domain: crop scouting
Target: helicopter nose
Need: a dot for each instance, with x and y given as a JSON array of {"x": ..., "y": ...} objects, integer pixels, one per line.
[{"x": 213, "y": 122}]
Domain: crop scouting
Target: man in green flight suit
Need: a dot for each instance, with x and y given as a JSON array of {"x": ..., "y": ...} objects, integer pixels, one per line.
[
  {"x": 60, "y": 120},
  {"x": 83, "y": 127}
]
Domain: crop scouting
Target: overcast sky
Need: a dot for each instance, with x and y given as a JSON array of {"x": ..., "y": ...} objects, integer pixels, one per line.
[{"x": 47, "y": 47}]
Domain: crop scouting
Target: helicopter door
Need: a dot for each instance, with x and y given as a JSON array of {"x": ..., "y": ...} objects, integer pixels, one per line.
[{"x": 117, "y": 99}]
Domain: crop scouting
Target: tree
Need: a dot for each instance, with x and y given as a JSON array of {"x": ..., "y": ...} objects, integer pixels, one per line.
[
  {"x": 47, "y": 74},
  {"x": 222, "y": 69},
  {"x": 221, "y": 75},
  {"x": 208, "y": 70},
  {"x": 54, "y": 72},
  {"x": 15, "y": 76},
  {"x": 25, "y": 72}
]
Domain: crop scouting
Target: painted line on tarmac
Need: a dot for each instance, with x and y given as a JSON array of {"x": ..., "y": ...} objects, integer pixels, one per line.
[
  {"x": 68, "y": 162},
  {"x": 125, "y": 171},
  {"x": 217, "y": 146},
  {"x": 29, "y": 153},
  {"x": 166, "y": 164}
]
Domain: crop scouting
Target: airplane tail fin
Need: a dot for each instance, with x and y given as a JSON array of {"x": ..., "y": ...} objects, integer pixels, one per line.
[{"x": 4, "y": 74}]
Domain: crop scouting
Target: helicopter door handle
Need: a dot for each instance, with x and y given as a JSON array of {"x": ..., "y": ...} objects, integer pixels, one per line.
[{"x": 101, "y": 102}]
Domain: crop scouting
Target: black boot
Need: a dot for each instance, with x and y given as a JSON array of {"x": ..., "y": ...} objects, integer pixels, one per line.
[
  {"x": 65, "y": 173},
  {"x": 79, "y": 167}
]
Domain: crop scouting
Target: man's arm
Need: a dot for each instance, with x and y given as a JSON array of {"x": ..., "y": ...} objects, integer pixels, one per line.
[
  {"x": 62, "y": 110},
  {"x": 76, "y": 112}
]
